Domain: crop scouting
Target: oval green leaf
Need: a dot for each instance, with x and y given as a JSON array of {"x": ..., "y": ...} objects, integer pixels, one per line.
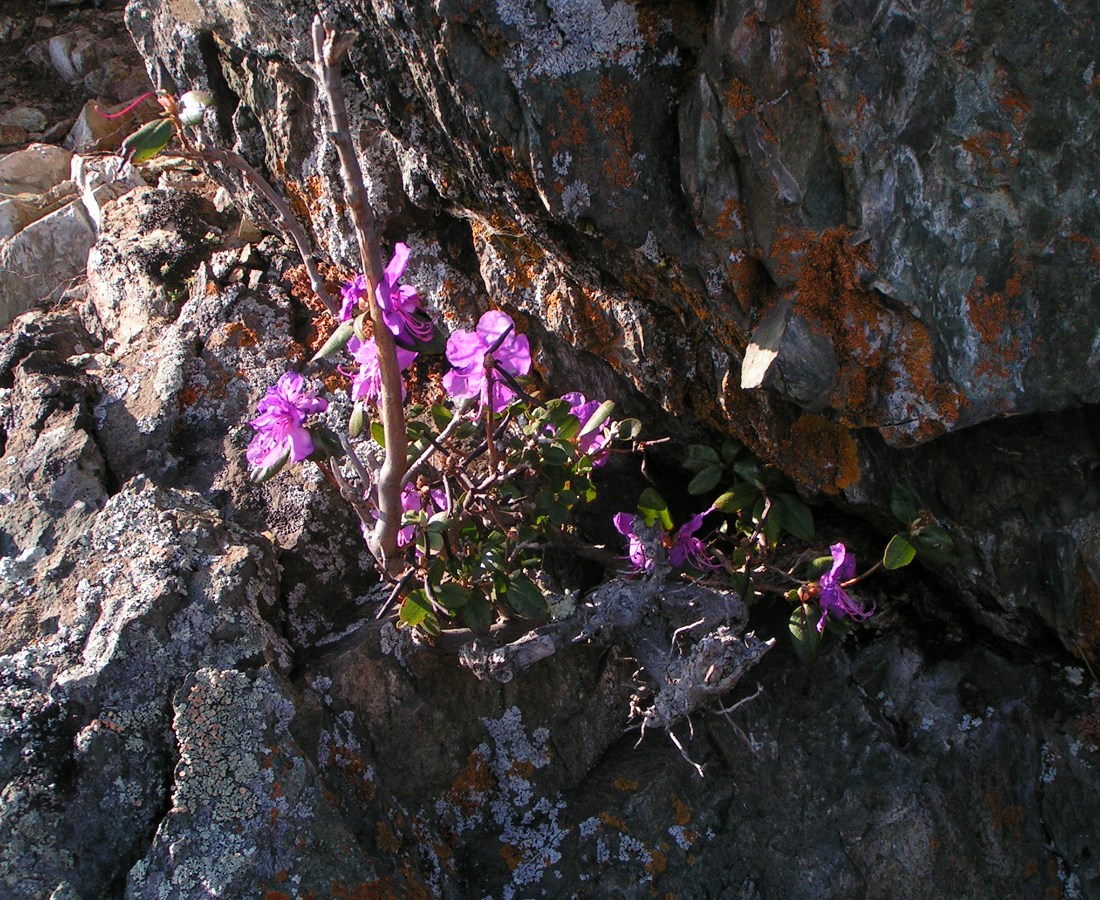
[{"x": 899, "y": 552}]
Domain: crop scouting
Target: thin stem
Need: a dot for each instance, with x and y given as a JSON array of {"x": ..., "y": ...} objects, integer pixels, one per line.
[
  {"x": 286, "y": 218},
  {"x": 361, "y": 470},
  {"x": 859, "y": 578},
  {"x": 435, "y": 446},
  {"x": 328, "y": 49}
]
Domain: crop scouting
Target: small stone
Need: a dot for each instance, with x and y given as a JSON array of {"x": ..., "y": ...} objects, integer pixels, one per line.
[
  {"x": 26, "y": 117},
  {"x": 12, "y": 136},
  {"x": 34, "y": 170},
  {"x": 92, "y": 131}
]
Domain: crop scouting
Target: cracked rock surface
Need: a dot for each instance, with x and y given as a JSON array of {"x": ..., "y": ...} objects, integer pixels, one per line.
[{"x": 195, "y": 697}]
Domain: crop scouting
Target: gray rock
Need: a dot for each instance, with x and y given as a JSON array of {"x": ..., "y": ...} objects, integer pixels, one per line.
[
  {"x": 915, "y": 182},
  {"x": 35, "y": 263},
  {"x": 34, "y": 169},
  {"x": 25, "y": 117}
]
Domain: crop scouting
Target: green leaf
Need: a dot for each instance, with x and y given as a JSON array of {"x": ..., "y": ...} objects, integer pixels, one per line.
[
  {"x": 748, "y": 470},
  {"x": 774, "y": 524},
  {"x": 653, "y": 509},
  {"x": 477, "y": 614},
  {"x": 326, "y": 444},
  {"x": 818, "y": 567},
  {"x": 601, "y": 414},
  {"x": 899, "y": 552},
  {"x": 441, "y": 416},
  {"x": 627, "y": 429},
  {"x": 525, "y": 598},
  {"x": 803, "y": 628},
  {"x": 737, "y": 498},
  {"x": 797, "y": 518},
  {"x": 415, "y": 608},
  {"x": 378, "y": 433},
  {"x": 731, "y": 449},
  {"x": 706, "y": 480},
  {"x": 338, "y": 340},
  {"x": 435, "y": 345},
  {"x": 934, "y": 544},
  {"x": 568, "y": 429},
  {"x": 260, "y": 475},
  {"x": 147, "y": 141},
  {"x": 904, "y": 504},
  {"x": 357, "y": 420},
  {"x": 452, "y": 595},
  {"x": 700, "y": 457},
  {"x": 359, "y": 326},
  {"x": 556, "y": 454}
]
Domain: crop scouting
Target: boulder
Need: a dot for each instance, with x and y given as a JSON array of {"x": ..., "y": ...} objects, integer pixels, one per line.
[{"x": 908, "y": 189}]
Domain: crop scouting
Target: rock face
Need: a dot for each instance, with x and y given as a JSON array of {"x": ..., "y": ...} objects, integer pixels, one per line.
[
  {"x": 880, "y": 220},
  {"x": 675, "y": 199},
  {"x": 196, "y": 698}
]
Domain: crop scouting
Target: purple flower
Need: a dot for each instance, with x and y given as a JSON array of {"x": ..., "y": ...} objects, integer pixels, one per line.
[
  {"x": 636, "y": 548},
  {"x": 411, "y": 502},
  {"x": 400, "y": 304},
  {"x": 468, "y": 352},
  {"x": 352, "y": 292},
  {"x": 688, "y": 550},
  {"x": 279, "y": 428},
  {"x": 832, "y": 597},
  {"x": 593, "y": 443},
  {"x": 367, "y": 384}
]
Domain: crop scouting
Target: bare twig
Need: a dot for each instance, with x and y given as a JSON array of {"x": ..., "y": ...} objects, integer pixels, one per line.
[
  {"x": 287, "y": 221},
  {"x": 329, "y": 48},
  {"x": 435, "y": 446}
]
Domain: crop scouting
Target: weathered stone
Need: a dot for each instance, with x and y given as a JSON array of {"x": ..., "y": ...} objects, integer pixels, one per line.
[
  {"x": 157, "y": 588},
  {"x": 34, "y": 169},
  {"x": 651, "y": 183},
  {"x": 35, "y": 263},
  {"x": 151, "y": 243},
  {"x": 19, "y": 210},
  {"x": 26, "y": 117},
  {"x": 92, "y": 131}
]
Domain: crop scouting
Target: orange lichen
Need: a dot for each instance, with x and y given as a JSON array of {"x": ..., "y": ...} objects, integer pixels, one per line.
[
  {"x": 385, "y": 838},
  {"x": 513, "y": 857},
  {"x": 1015, "y": 104},
  {"x": 993, "y": 148},
  {"x": 740, "y": 99},
  {"x": 240, "y": 334},
  {"x": 610, "y": 109},
  {"x": 993, "y": 319},
  {"x": 824, "y": 453},
  {"x": 657, "y": 864},
  {"x": 680, "y": 810},
  {"x": 1088, "y": 625},
  {"x": 731, "y": 220},
  {"x": 626, "y": 784},
  {"x": 1094, "y": 251},
  {"x": 472, "y": 785},
  {"x": 1009, "y": 816},
  {"x": 613, "y": 822}
]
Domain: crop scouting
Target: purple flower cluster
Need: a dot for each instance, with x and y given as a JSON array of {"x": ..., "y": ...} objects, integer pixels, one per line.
[
  {"x": 594, "y": 443},
  {"x": 684, "y": 548},
  {"x": 398, "y": 303},
  {"x": 367, "y": 383},
  {"x": 475, "y": 354},
  {"x": 280, "y": 429},
  {"x": 832, "y": 597}
]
